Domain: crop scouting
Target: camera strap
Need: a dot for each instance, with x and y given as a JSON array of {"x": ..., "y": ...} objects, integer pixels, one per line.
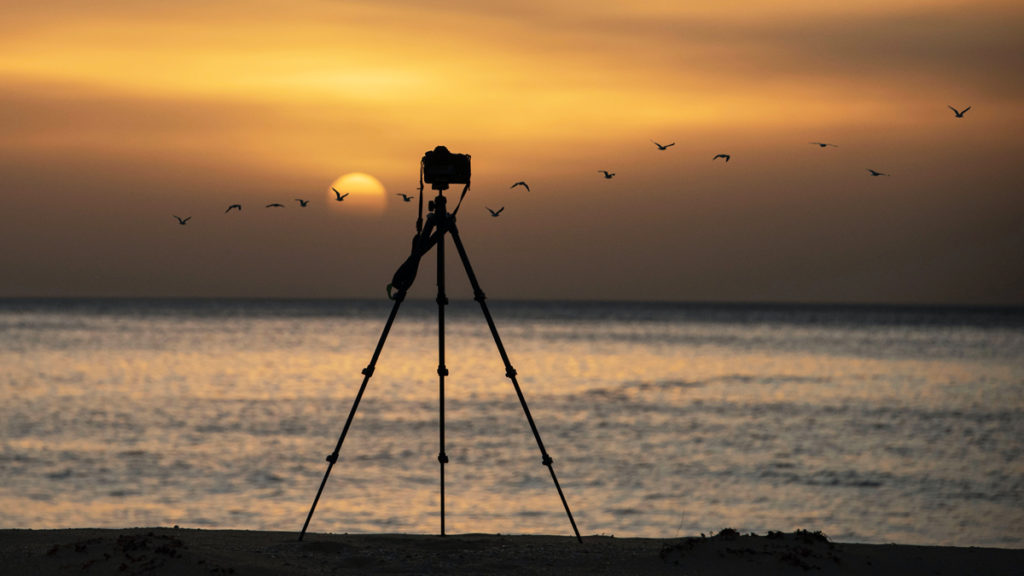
[
  {"x": 464, "y": 190},
  {"x": 419, "y": 219}
]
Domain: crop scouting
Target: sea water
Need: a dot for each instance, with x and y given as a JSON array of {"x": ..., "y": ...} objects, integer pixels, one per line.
[{"x": 871, "y": 424}]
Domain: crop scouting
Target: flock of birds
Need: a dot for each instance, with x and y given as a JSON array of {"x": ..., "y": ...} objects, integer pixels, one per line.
[
  {"x": 726, "y": 157},
  {"x": 339, "y": 197}
]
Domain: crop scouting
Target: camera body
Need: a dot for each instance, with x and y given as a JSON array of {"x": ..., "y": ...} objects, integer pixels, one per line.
[{"x": 441, "y": 168}]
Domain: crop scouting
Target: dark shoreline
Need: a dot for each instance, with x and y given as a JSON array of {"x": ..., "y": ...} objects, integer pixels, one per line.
[{"x": 174, "y": 551}]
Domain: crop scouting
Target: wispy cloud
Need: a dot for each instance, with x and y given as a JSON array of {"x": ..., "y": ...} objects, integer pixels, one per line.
[{"x": 249, "y": 95}]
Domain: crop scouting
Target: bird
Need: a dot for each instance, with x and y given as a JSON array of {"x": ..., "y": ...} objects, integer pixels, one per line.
[
  {"x": 275, "y": 205},
  {"x": 520, "y": 183},
  {"x": 340, "y": 196},
  {"x": 959, "y": 113},
  {"x": 824, "y": 145},
  {"x": 234, "y": 207},
  {"x": 493, "y": 213},
  {"x": 607, "y": 174},
  {"x": 663, "y": 146},
  {"x": 717, "y": 156},
  {"x": 302, "y": 202},
  {"x": 405, "y": 197},
  {"x": 876, "y": 172},
  {"x": 181, "y": 220}
]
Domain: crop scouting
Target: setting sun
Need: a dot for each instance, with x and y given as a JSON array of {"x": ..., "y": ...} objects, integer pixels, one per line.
[{"x": 357, "y": 192}]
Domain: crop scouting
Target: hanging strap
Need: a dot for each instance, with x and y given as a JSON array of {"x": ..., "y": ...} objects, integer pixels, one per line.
[
  {"x": 419, "y": 219},
  {"x": 464, "y": 190}
]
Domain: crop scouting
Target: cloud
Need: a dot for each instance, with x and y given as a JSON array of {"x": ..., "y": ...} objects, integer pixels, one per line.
[{"x": 117, "y": 116}]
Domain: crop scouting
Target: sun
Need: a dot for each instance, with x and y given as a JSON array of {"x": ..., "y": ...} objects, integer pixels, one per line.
[{"x": 362, "y": 194}]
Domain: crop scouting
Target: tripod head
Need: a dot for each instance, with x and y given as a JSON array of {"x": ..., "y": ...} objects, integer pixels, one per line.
[{"x": 438, "y": 204}]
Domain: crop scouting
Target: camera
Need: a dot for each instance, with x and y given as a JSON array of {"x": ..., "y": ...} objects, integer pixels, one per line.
[{"x": 441, "y": 168}]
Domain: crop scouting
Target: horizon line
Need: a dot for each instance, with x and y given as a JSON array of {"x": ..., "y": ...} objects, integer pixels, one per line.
[{"x": 583, "y": 301}]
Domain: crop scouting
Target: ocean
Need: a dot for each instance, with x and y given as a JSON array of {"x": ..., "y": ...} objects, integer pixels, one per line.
[{"x": 870, "y": 424}]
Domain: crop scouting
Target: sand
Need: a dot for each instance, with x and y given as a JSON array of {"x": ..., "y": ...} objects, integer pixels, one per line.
[{"x": 174, "y": 551}]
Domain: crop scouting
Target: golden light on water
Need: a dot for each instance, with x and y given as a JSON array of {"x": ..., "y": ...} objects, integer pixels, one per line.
[{"x": 357, "y": 192}]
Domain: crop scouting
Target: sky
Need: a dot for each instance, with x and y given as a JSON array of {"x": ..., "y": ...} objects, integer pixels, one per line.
[{"x": 117, "y": 115}]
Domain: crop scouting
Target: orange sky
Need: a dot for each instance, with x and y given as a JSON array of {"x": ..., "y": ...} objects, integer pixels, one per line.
[{"x": 117, "y": 114}]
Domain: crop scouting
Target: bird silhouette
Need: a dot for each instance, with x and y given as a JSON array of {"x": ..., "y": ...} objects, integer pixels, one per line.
[
  {"x": 234, "y": 207},
  {"x": 824, "y": 145},
  {"x": 520, "y": 183},
  {"x": 275, "y": 205},
  {"x": 302, "y": 202},
  {"x": 959, "y": 113},
  {"x": 607, "y": 174},
  {"x": 493, "y": 213},
  {"x": 405, "y": 197},
  {"x": 717, "y": 156},
  {"x": 876, "y": 172},
  {"x": 663, "y": 146},
  {"x": 340, "y": 196},
  {"x": 181, "y": 220}
]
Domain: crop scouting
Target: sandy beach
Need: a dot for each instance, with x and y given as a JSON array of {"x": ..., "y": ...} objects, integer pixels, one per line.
[{"x": 175, "y": 551}]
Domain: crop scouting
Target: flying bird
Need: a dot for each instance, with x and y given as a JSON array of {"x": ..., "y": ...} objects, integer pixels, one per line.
[
  {"x": 181, "y": 220},
  {"x": 824, "y": 145},
  {"x": 493, "y": 213},
  {"x": 520, "y": 183},
  {"x": 302, "y": 202},
  {"x": 959, "y": 113},
  {"x": 876, "y": 172},
  {"x": 405, "y": 197},
  {"x": 234, "y": 207},
  {"x": 717, "y": 156},
  {"x": 340, "y": 196},
  {"x": 663, "y": 146},
  {"x": 607, "y": 174},
  {"x": 275, "y": 205}
]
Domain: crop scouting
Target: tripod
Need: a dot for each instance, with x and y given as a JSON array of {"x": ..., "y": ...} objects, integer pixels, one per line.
[{"x": 439, "y": 223}]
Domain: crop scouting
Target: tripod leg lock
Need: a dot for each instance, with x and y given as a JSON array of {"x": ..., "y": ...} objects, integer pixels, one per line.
[
  {"x": 511, "y": 373},
  {"x": 368, "y": 371},
  {"x": 397, "y": 295},
  {"x": 442, "y": 370},
  {"x": 547, "y": 460},
  {"x": 332, "y": 457},
  {"x": 442, "y": 458}
]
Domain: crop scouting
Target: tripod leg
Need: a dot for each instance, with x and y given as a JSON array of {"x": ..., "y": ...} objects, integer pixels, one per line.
[
  {"x": 510, "y": 372},
  {"x": 367, "y": 373},
  {"x": 442, "y": 370}
]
